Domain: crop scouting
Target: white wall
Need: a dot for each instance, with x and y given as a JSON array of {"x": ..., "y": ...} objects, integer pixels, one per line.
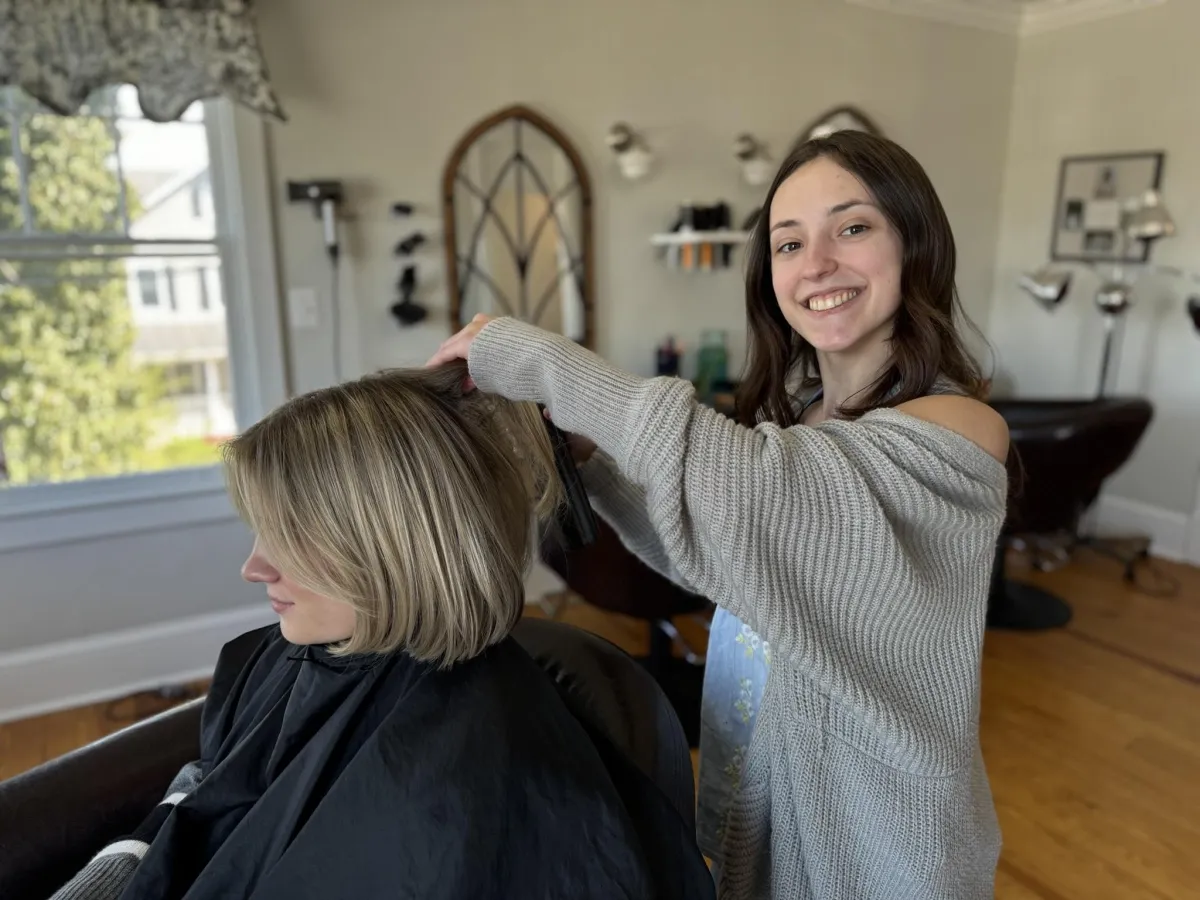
[
  {"x": 1115, "y": 85},
  {"x": 377, "y": 93}
]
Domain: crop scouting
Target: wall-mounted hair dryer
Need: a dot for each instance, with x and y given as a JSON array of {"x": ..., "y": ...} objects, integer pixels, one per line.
[
  {"x": 326, "y": 196},
  {"x": 1193, "y": 308}
]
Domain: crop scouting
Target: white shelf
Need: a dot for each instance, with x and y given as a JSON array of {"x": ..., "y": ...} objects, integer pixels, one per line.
[{"x": 716, "y": 236}]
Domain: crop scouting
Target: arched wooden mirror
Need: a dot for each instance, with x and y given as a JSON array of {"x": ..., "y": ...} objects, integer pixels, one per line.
[{"x": 517, "y": 206}]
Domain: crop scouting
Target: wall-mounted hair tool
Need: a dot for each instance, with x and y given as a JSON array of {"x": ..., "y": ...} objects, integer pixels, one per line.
[
  {"x": 409, "y": 244},
  {"x": 326, "y": 196},
  {"x": 406, "y": 311},
  {"x": 577, "y": 520}
]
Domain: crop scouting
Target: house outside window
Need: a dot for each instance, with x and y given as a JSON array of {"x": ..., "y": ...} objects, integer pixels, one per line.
[{"x": 108, "y": 227}]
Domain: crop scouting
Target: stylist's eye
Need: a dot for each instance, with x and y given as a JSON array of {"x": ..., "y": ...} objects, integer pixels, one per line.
[
  {"x": 788, "y": 247},
  {"x": 856, "y": 229}
]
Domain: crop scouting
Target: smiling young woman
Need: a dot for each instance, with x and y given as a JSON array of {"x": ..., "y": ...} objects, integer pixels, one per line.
[
  {"x": 845, "y": 527},
  {"x": 853, "y": 214}
]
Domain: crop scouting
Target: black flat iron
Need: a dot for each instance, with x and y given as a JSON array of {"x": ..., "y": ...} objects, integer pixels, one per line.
[{"x": 577, "y": 521}]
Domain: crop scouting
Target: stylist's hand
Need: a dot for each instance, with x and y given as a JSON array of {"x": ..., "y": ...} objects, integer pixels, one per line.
[{"x": 459, "y": 346}]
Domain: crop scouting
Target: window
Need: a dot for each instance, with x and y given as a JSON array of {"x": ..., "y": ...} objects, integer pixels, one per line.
[
  {"x": 172, "y": 300},
  {"x": 148, "y": 287},
  {"x": 183, "y": 379},
  {"x": 202, "y": 289},
  {"x": 88, "y": 354}
]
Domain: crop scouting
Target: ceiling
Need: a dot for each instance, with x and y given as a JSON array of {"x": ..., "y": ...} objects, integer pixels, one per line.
[{"x": 1011, "y": 16}]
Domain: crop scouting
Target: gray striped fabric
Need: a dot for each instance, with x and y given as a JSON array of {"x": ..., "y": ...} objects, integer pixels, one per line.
[{"x": 105, "y": 876}]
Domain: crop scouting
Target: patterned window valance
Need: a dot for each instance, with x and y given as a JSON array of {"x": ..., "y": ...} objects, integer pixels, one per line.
[{"x": 175, "y": 51}]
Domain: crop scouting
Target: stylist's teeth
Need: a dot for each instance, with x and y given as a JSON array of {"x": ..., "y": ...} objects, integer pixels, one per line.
[{"x": 820, "y": 304}]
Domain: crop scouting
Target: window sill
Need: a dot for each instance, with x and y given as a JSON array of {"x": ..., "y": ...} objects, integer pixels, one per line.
[{"x": 49, "y": 515}]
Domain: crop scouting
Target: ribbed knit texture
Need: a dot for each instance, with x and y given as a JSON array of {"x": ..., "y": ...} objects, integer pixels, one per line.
[
  {"x": 109, "y": 871},
  {"x": 862, "y": 551}
]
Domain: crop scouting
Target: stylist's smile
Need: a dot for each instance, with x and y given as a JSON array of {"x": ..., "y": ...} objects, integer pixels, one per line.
[{"x": 830, "y": 299}]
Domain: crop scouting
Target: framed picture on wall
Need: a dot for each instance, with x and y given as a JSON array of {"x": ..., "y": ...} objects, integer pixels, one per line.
[{"x": 1094, "y": 193}]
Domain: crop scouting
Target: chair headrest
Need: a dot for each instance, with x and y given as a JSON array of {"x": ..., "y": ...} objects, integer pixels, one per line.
[{"x": 607, "y": 690}]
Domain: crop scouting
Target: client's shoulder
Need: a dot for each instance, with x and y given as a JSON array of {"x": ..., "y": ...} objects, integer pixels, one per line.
[{"x": 244, "y": 648}]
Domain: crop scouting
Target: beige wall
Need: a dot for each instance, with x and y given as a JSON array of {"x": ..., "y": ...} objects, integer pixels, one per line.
[
  {"x": 379, "y": 91},
  {"x": 1121, "y": 84}
]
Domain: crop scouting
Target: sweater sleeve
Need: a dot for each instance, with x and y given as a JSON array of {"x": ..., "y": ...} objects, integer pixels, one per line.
[
  {"x": 109, "y": 871},
  {"x": 850, "y": 546},
  {"x": 622, "y": 504}
]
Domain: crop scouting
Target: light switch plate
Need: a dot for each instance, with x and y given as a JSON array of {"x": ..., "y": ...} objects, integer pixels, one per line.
[{"x": 302, "y": 308}]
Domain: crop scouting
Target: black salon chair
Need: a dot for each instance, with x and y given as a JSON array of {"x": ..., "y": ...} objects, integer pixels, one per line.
[
  {"x": 607, "y": 575},
  {"x": 56, "y": 816},
  {"x": 1065, "y": 451}
]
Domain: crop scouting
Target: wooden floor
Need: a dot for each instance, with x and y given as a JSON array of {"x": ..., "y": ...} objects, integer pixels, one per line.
[{"x": 1091, "y": 736}]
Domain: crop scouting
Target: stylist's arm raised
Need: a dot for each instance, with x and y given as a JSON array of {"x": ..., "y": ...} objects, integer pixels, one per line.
[{"x": 845, "y": 526}]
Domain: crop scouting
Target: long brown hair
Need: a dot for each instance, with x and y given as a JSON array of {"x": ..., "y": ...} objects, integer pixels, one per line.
[{"x": 925, "y": 342}]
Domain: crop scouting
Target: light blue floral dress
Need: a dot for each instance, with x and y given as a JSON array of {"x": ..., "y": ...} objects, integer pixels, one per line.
[{"x": 735, "y": 672}]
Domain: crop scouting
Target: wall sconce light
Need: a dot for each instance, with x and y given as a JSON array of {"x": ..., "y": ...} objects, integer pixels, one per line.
[
  {"x": 633, "y": 156},
  {"x": 1047, "y": 286},
  {"x": 752, "y": 154}
]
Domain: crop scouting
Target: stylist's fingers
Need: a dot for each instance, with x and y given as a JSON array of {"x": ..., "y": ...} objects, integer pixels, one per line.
[{"x": 458, "y": 346}]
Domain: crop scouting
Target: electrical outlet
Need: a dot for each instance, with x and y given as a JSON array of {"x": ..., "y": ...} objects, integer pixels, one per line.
[{"x": 302, "y": 308}]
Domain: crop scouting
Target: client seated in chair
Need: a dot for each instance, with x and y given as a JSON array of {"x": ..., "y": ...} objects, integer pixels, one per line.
[{"x": 389, "y": 738}]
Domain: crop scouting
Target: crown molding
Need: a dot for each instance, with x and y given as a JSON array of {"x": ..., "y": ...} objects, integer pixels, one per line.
[
  {"x": 1016, "y": 17},
  {"x": 1047, "y": 15}
]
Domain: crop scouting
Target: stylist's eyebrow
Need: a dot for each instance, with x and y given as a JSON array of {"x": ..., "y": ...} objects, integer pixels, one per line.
[{"x": 833, "y": 211}]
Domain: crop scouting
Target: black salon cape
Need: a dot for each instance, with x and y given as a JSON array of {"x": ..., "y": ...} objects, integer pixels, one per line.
[{"x": 387, "y": 778}]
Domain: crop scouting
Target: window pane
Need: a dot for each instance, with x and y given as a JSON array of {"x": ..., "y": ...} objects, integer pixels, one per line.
[
  {"x": 166, "y": 170},
  {"x": 134, "y": 174},
  {"x": 93, "y": 382},
  {"x": 118, "y": 362},
  {"x": 70, "y": 169}
]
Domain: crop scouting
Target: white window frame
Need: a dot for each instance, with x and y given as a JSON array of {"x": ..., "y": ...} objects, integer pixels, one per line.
[{"x": 53, "y": 514}]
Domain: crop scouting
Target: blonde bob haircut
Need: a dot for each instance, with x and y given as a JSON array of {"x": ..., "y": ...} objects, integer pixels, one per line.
[{"x": 406, "y": 498}]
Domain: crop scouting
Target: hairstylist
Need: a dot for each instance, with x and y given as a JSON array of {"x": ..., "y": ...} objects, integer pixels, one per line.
[{"x": 845, "y": 527}]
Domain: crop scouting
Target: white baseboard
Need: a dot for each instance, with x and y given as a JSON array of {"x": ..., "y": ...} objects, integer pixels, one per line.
[
  {"x": 1167, "y": 529},
  {"x": 90, "y": 670}
]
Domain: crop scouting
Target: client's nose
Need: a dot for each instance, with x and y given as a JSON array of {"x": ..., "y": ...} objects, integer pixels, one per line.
[{"x": 257, "y": 568}]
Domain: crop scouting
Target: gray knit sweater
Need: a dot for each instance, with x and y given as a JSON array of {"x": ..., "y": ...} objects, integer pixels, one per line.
[{"x": 862, "y": 551}]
